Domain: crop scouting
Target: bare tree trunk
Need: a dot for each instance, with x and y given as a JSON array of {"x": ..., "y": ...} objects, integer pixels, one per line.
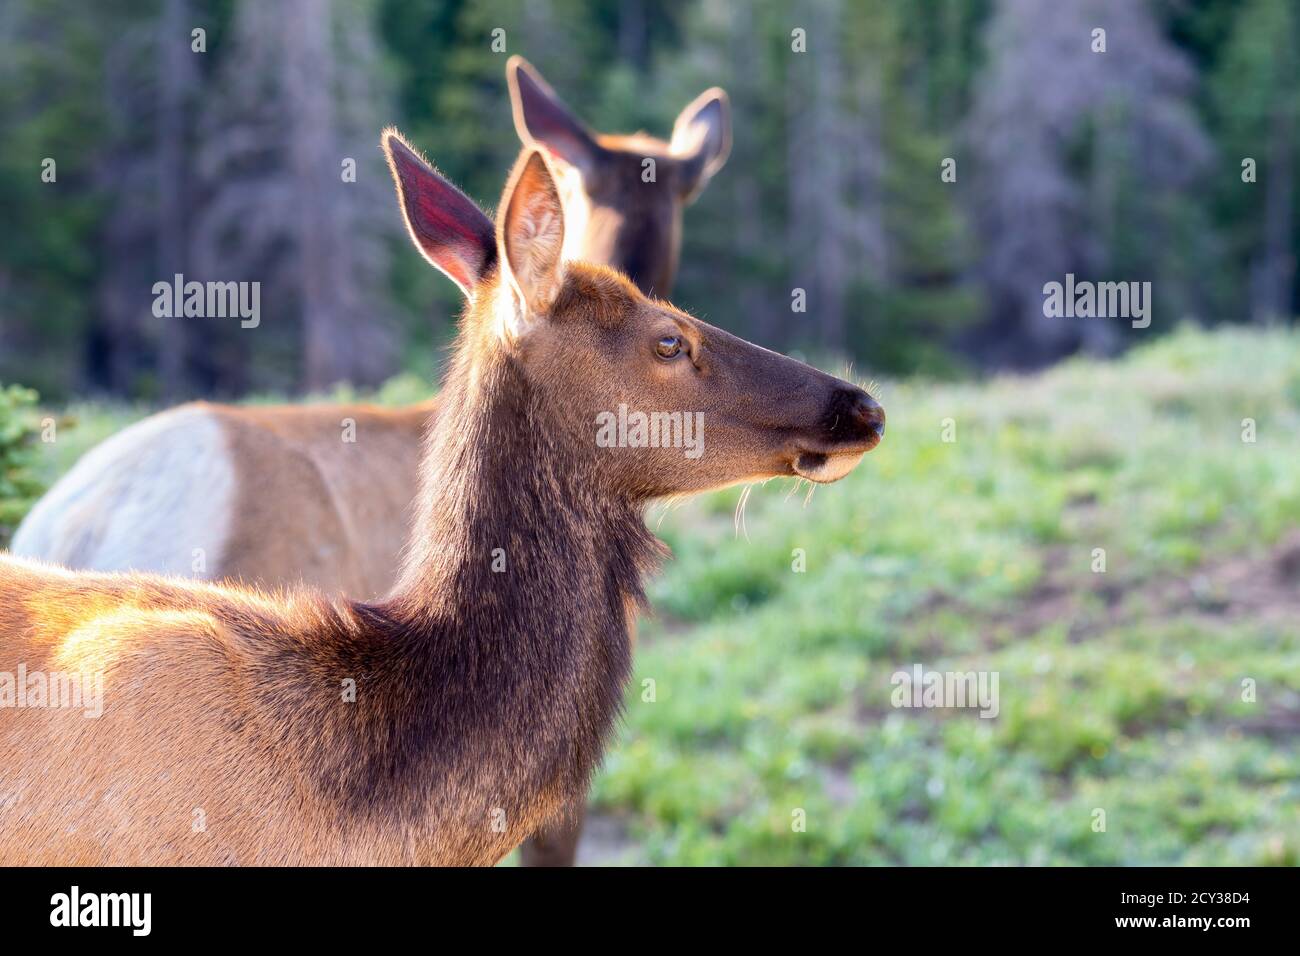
[
  {"x": 308, "y": 82},
  {"x": 1277, "y": 265},
  {"x": 632, "y": 45},
  {"x": 126, "y": 241},
  {"x": 796, "y": 190},
  {"x": 829, "y": 192},
  {"x": 816, "y": 169},
  {"x": 865, "y": 150},
  {"x": 771, "y": 319},
  {"x": 175, "y": 80}
]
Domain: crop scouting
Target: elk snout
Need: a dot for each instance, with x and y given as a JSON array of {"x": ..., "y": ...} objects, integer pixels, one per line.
[
  {"x": 851, "y": 425},
  {"x": 856, "y": 417},
  {"x": 853, "y": 421},
  {"x": 871, "y": 415}
]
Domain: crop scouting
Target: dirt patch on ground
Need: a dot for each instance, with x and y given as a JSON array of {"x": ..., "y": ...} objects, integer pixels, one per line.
[{"x": 1263, "y": 588}]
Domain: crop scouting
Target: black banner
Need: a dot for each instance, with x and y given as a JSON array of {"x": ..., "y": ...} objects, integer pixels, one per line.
[{"x": 335, "y": 905}]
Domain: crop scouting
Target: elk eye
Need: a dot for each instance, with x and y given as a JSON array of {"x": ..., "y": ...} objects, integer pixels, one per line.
[{"x": 669, "y": 346}]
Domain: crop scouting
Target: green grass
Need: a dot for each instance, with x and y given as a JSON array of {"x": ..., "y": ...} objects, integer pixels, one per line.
[{"x": 1119, "y": 691}]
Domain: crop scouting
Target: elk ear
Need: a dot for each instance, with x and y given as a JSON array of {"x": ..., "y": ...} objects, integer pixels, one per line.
[
  {"x": 444, "y": 223},
  {"x": 542, "y": 119},
  {"x": 531, "y": 235},
  {"x": 702, "y": 139}
]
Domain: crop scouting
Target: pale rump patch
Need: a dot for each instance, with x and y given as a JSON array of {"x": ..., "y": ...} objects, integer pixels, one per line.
[{"x": 157, "y": 496}]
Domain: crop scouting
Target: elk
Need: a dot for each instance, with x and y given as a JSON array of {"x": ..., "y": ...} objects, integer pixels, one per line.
[
  {"x": 483, "y": 691},
  {"x": 273, "y": 496}
]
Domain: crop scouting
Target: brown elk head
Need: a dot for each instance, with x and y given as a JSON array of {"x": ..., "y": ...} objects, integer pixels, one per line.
[
  {"x": 649, "y": 400},
  {"x": 623, "y": 195}
]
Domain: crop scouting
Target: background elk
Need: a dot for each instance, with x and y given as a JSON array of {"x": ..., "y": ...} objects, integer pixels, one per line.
[
  {"x": 273, "y": 495},
  {"x": 483, "y": 696}
]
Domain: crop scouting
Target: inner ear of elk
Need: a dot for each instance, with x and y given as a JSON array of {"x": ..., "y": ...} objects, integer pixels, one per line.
[{"x": 533, "y": 237}]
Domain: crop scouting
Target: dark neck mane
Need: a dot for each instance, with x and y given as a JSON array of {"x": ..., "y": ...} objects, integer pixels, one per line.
[
  {"x": 510, "y": 514},
  {"x": 506, "y": 639}
]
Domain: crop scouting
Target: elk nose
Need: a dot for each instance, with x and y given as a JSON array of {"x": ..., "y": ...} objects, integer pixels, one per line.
[{"x": 869, "y": 415}]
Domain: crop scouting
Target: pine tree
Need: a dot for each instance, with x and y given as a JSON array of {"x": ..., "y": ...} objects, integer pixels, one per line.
[{"x": 1256, "y": 98}]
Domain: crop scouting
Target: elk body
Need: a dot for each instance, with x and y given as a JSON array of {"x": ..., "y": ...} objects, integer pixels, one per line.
[
  {"x": 483, "y": 692},
  {"x": 272, "y": 496}
]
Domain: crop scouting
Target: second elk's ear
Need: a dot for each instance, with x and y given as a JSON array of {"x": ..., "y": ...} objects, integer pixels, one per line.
[
  {"x": 542, "y": 119},
  {"x": 444, "y": 223},
  {"x": 531, "y": 235},
  {"x": 702, "y": 139}
]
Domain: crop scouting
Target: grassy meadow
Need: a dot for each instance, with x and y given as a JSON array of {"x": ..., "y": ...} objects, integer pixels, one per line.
[{"x": 1120, "y": 691}]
